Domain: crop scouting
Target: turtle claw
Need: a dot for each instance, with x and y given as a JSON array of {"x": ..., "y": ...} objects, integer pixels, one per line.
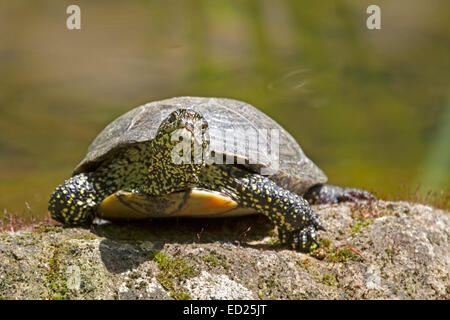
[
  {"x": 301, "y": 239},
  {"x": 317, "y": 224},
  {"x": 305, "y": 238}
]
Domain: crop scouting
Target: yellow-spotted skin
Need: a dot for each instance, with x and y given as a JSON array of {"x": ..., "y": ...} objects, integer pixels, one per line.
[
  {"x": 297, "y": 223},
  {"x": 73, "y": 202},
  {"x": 144, "y": 168}
]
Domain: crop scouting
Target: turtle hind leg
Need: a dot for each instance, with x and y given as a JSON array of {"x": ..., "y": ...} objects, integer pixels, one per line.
[
  {"x": 325, "y": 193},
  {"x": 73, "y": 202}
]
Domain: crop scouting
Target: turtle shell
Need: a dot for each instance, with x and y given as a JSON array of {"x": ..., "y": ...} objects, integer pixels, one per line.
[
  {"x": 293, "y": 170},
  {"x": 193, "y": 202}
]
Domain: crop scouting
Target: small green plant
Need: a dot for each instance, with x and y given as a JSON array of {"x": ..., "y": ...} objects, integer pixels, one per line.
[
  {"x": 56, "y": 281},
  {"x": 328, "y": 279},
  {"x": 172, "y": 268},
  {"x": 216, "y": 259},
  {"x": 342, "y": 254}
]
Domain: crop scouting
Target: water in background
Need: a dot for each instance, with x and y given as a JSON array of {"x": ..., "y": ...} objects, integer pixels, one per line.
[{"x": 371, "y": 108}]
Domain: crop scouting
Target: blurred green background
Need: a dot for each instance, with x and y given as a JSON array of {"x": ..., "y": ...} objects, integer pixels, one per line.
[{"x": 371, "y": 108}]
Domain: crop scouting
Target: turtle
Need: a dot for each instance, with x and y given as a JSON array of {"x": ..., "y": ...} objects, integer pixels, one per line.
[{"x": 197, "y": 157}]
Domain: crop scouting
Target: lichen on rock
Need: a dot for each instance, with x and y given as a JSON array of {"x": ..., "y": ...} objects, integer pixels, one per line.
[{"x": 371, "y": 250}]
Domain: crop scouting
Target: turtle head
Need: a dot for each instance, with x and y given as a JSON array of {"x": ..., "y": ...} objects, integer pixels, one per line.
[
  {"x": 180, "y": 143},
  {"x": 185, "y": 133},
  {"x": 180, "y": 119}
]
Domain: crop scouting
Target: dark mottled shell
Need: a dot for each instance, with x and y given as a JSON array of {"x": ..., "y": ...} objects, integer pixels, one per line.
[{"x": 296, "y": 171}]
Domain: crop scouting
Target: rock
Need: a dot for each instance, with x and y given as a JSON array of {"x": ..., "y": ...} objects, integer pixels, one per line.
[
  {"x": 379, "y": 250},
  {"x": 216, "y": 287}
]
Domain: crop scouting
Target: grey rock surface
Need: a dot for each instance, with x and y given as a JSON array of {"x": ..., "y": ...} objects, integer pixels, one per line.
[{"x": 379, "y": 250}]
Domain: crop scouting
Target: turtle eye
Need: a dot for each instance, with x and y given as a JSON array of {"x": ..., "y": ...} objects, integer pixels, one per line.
[{"x": 172, "y": 117}]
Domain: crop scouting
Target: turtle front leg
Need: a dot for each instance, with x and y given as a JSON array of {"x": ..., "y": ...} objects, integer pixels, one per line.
[
  {"x": 325, "y": 193},
  {"x": 73, "y": 202},
  {"x": 297, "y": 223}
]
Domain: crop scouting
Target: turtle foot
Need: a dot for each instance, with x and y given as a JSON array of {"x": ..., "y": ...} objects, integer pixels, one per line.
[
  {"x": 326, "y": 193},
  {"x": 300, "y": 239}
]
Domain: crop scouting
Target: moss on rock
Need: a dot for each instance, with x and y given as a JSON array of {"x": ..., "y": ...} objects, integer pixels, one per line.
[{"x": 393, "y": 250}]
